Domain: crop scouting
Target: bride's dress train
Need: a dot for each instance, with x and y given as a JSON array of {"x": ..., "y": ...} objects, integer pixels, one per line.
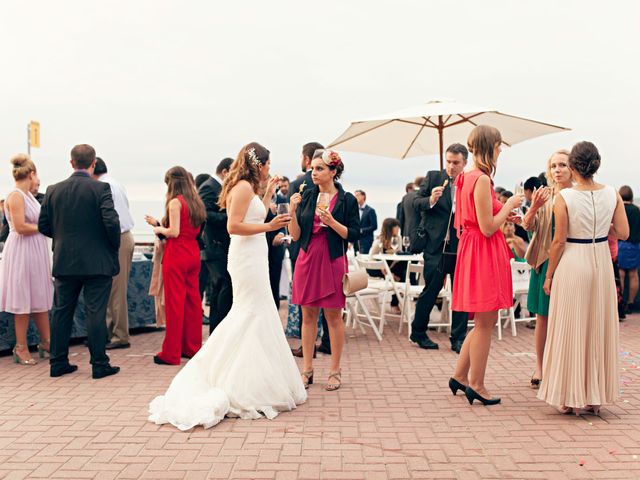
[{"x": 245, "y": 368}]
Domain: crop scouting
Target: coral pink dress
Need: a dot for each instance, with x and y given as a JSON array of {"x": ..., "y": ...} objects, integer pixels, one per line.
[
  {"x": 482, "y": 281},
  {"x": 317, "y": 280}
]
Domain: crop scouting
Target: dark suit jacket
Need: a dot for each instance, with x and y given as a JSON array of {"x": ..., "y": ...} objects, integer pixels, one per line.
[
  {"x": 368, "y": 225},
  {"x": 344, "y": 211},
  {"x": 216, "y": 236},
  {"x": 409, "y": 216},
  {"x": 78, "y": 214},
  {"x": 294, "y": 187},
  {"x": 434, "y": 219}
]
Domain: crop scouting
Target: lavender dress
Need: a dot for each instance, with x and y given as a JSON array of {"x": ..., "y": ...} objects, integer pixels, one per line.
[{"x": 25, "y": 270}]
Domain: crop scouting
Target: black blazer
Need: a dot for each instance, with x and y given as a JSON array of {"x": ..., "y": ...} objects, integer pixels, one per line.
[
  {"x": 344, "y": 211},
  {"x": 78, "y": 214},
  {"x": 216, "y": 236},
  {"x": 434, "y": 219},
  {"x": 294, "y": 187}
]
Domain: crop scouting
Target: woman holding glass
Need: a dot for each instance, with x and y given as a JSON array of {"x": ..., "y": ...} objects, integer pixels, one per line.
[
  {"x": 325, "y": 219},
  {"x": 539, "y": 221}
]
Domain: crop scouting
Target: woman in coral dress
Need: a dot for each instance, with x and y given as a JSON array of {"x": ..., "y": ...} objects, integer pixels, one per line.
[{"x": 482, "y": 281}]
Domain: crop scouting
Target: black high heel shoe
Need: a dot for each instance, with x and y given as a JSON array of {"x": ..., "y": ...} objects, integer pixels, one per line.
[
  {"x": 455, "y": 385},
  {"x": 473, "y": 395}
]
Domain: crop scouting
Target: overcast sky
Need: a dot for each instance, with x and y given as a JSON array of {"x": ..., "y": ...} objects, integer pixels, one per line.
[{"x": 157, "y": 83}]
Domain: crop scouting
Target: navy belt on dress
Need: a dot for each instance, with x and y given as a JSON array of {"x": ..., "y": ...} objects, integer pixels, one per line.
[{"x": 587, "y": 240}]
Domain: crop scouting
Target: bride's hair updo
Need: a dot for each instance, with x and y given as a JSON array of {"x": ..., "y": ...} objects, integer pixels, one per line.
[
  {"x": 245, "y": 167},
  {"x": 22, "y": 166}
]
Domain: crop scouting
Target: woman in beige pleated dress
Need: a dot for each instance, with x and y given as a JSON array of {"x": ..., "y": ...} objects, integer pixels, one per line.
[{"x": 580, "y": 368}]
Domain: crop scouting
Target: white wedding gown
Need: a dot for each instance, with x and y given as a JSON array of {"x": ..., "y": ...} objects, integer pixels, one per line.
[{"x": 245, "y": 368}]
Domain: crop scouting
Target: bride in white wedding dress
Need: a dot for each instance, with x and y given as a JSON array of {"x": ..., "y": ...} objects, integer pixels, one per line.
[{"x": 245, "y": 368}]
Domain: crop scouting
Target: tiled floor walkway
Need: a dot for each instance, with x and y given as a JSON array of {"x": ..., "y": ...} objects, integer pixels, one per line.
[{"x": 394, "y": 418}]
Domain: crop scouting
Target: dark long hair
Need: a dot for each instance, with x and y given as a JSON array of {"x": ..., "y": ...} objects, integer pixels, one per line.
[
  {"x": 386, "y": 232},
  {"x": 245, "y": 167},
  {"x": 180, "y": 182}
]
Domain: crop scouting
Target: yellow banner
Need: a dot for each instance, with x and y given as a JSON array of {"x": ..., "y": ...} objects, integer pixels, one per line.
[{"x": 34, "y": 134}]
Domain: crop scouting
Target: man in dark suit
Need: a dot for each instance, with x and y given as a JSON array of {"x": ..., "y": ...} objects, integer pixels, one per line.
[
  {"x": 368, "y": 222},
  {"x": 410, "y": 217},
  {"x": 216, "y": 246},
  {"x": 436, "y": 202},
  {"x": 78, "y": 214},
  {"x": 308, "y": 150}
]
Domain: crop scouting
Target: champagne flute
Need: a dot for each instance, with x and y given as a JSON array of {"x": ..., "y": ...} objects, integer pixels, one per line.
[
  {"x": 406, "y": 243},
  {"x": 323, "y": 203},
  {"x": 519, "y": 190},
  {"x": 283, "y": 209}
]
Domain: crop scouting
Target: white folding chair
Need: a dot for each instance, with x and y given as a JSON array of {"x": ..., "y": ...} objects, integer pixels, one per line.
[
  {"x": 413, "y": 291},
  {"x": 357, "y": 301},
  {"x": 520, "y": 274}
]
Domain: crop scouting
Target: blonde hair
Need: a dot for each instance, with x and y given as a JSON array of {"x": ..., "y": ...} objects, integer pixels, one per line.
[
  {"x": 547, "y": 173},
  {"x": 482, "y": 142},
  {"x": 245, "y": 167},
  {"x": 22, "y": 166}
]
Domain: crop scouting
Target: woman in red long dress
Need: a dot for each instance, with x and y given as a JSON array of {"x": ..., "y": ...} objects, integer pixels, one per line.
[
  {"x": 184, "y": 215},
  {"x": 482, "y": 281}
]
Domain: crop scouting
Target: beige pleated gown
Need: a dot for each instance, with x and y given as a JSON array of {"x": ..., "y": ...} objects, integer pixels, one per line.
[{"x": 580, "y": 364}]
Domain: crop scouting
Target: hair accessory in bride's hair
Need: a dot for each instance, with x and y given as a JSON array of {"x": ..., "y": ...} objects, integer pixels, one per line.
[
  {"x": 253, "y": 156},
  {"x": 332, "y": 158}
]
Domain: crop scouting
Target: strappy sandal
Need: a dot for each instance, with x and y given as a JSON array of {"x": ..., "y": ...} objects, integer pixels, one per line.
[
  {"x": 307, "y": 379},
  {"x": 330, "y": 387},
  {"x": 18, "y": 359},
  {"x": 44, "y": 348}
]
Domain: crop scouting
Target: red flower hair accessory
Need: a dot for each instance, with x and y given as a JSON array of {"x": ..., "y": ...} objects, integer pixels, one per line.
[{"x": 332, "y": 158}]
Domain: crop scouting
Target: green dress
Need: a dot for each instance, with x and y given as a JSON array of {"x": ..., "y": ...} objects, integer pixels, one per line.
[{"x": 537, "y": 300}]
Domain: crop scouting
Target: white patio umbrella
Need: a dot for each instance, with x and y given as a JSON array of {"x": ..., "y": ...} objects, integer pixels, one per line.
[{"x": 426, "y": 129}]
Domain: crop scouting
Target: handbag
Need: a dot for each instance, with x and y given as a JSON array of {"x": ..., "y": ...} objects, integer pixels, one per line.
[{"x": 352, "y": 282}]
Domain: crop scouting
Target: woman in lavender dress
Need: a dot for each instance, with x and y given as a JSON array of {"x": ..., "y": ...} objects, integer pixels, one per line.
[{"x": 25, "y": 272}]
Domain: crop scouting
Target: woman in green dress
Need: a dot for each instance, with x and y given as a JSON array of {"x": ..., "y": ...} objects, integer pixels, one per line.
[{"x": 539, "y": 222}]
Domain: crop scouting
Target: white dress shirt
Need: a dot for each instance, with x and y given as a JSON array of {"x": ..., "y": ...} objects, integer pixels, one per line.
[{"x": 120, "y": 203}]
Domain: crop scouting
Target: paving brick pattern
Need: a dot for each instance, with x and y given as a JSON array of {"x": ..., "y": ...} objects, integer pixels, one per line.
[{"x": 394, "y": 418}]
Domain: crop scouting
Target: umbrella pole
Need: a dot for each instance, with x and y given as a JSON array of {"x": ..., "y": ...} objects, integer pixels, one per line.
[{"x": 440, "y": 139}]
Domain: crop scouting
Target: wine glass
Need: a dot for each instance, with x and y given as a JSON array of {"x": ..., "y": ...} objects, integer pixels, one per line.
[
  {"x": 406, "y": 243},
  {"x": 283, "y": 209},
  {"x": 395, "y": 244},
  {"x": 323, "y": 203}
]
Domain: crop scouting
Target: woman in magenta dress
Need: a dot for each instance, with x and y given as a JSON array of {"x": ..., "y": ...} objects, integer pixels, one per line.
[
  {"x": 184, "y": 215},
  {"x": 324, "y": 235},
  {"x": 25, "y": 272},
  {"x": 482, "y": 281}
]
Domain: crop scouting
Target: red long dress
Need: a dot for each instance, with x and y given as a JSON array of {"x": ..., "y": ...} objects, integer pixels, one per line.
[
  {"x": 482, "y": 281},
  {"x": 183, "y": 310}
]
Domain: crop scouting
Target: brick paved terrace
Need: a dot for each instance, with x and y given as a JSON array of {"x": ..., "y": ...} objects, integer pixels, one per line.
[{"x": 394, "y": 418}]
